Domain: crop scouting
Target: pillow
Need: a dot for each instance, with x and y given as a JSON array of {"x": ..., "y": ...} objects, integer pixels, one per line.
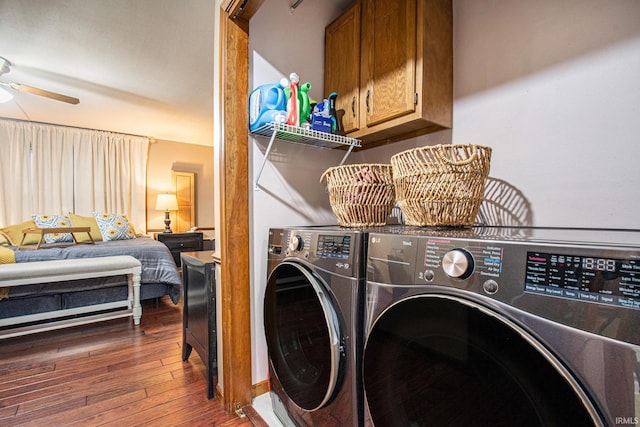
[
  {"x": 85, "y": 221},
  {"x": 4, "y": 239},
  {"x": 54, "y": 221},
  {"x": 14, "y": 233},
  {"x": 113, "y": 227}
]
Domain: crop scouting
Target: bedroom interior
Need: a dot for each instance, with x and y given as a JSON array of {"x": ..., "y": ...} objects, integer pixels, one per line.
[
  {"x": 138, "y": 72},
  {"x": 130, "y": 81}
]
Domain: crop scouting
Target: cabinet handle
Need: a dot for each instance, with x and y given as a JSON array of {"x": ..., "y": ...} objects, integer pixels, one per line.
[
  {"x": 353, "y": 106},
  {"x": 368, "y": 94}
]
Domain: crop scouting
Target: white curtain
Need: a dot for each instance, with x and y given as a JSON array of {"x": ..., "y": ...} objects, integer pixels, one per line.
[
  {"x": 48, "y": 169},
  {"x": 15, "y": 175},
  {"x": 51, "y": 166},
  {"x": 111, "y": 172}
]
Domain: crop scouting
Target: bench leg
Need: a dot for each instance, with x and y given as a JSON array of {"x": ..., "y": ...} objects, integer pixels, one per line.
[{"x": 135, "y": 285}]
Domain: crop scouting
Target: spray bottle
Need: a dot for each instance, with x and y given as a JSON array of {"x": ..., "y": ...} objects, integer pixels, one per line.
[
  {"x": 305, "y": 105},
  {"x": 293, "y": 105},
  {"x": 335, "y": 123}
]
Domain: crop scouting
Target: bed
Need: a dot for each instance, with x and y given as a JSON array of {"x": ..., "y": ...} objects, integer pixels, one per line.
[{"x": 159, "y": 277}]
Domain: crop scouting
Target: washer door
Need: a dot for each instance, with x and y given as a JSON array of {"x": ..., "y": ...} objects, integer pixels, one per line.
[
  {"x": 302, "y": 332},
  {"x": 435, "y": 360}
]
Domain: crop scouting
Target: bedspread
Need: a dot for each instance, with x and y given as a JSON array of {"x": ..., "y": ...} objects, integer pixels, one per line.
[
  {"x": 157, "y": 263},
  {"x": 159, "y": 277}
]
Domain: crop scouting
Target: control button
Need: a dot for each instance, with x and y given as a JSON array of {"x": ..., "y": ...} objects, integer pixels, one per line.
[
  {"x": 429, "y": 275},
  {"x": 458, "y": 263},
  {"x": 296, "y": 243},
  {"x": 490, "y": 286}
]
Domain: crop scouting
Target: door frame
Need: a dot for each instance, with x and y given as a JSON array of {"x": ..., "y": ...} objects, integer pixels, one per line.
[{"x": 234, "y": 238}]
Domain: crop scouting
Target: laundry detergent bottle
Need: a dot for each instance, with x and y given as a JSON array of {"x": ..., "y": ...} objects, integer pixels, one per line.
[{"x": 267, "y": 103}]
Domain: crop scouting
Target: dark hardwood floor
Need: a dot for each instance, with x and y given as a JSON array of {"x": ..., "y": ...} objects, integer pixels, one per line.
[{"x": 109, "y": 374}]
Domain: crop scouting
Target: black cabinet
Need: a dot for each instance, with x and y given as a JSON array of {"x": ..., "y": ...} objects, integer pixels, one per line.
[
  {"x": 199, "y": 311},
  {"x": 181, "y": 242}
]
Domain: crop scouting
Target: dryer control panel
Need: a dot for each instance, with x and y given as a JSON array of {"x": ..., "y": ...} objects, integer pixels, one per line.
[
  {"x": 564, "y": 281},
  {"x": 332, "y": 249},
  {"x": 585, "y": 277}
]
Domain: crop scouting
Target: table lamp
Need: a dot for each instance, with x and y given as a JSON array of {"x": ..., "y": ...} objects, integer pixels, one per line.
[{"x": 166, "y": 203}]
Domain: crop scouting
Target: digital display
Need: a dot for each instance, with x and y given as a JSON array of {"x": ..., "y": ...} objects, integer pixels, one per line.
[
  {"x": 338, "y": 247},
  {"x": 601, "y": 280}
]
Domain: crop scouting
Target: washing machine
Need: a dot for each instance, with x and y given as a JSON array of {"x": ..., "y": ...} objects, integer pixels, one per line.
[
  {"x": 313, "y": 325},
  {"x": 502, "y": 327}
]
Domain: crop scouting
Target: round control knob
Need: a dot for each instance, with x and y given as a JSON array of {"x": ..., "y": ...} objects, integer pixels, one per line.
[
  {"x": 458, "y": 263},
  {"x": 490, "y": 286},
  {"x": 296, "y": 244},
  {"x": 429, "y": 275}
]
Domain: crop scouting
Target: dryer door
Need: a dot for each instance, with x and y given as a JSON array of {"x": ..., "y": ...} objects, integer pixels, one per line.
[
  {"x": 302, "y": 330},
  {"x": 442, "y": 360}
]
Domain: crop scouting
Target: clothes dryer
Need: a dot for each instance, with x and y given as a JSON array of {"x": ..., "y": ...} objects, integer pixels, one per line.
[
  {"x": 313, "y": 325},
  {"x": 502, "y": 327}
]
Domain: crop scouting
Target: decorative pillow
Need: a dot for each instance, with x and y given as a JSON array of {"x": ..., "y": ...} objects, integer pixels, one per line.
[
  {"x": 4, "y": 239},
  {"x": 14, "y": 233},
  {"x": 113, "y": 227},
  {"x": 54, "y": 221},
  {"x": 85, "y": 221}
]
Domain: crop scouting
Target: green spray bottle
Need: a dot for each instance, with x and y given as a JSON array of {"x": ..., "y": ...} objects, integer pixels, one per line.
[{"x": 305, "y": 105}]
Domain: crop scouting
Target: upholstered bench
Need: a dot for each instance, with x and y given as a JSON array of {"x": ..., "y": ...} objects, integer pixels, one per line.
[{"x": 27, "y": 273}]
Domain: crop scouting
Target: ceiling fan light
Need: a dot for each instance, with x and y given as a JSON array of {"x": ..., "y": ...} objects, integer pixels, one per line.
[{"x": 5, "y": 95}]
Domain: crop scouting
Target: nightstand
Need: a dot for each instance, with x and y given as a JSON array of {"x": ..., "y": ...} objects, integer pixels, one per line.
[{"x": 180, "y": 242}]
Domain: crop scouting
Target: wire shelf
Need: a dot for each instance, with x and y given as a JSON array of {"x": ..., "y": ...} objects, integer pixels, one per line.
[
  {"x": 300, "y": 135},
  {"x": 285, "y": 132}
]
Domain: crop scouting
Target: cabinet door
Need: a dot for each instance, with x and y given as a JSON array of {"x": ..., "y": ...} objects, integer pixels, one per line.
[
  {"x": 389, "y": 59},
  {"x": 342, "y": 66}
]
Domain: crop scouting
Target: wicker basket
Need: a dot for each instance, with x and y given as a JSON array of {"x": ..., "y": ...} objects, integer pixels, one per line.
[
  {"x": 441, "y": 184},
  {"x": 361, "y": 195}
]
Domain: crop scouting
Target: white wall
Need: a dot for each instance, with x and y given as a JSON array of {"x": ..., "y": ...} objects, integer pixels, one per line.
[
  {"x": 552, "y": 86},
  {"x": 289, "y": 192}
]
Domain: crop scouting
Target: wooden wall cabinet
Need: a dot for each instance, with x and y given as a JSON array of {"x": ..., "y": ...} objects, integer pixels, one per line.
[{"x": 391, "y": 63}]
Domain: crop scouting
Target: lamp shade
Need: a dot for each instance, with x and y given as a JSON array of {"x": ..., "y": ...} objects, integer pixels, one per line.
[{"x": 167, "y": 202}]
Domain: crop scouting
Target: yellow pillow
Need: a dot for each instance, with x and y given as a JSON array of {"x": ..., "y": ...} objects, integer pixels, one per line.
[
  {"x": 4, "y": 239},
  {"x": 14, "y": 232},
  {"x": 85, "y": 221}
]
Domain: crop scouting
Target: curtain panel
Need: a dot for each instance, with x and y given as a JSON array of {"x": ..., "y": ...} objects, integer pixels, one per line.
[{"x": 50, "y": 169}]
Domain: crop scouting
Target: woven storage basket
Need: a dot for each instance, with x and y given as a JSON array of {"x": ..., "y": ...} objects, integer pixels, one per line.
[
  {"x": 361, "y": 195},
  {"x": 441, "y": 184}
]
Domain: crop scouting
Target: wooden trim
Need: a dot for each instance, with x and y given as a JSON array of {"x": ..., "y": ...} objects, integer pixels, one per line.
[
  {"x": 234, "y": 215},
  {"x": 260, "y": 388},
  {"x": 241, "y": 9}
]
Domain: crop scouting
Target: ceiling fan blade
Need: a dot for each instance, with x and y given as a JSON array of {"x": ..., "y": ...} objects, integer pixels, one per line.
[{"x": 45, "y": 93}]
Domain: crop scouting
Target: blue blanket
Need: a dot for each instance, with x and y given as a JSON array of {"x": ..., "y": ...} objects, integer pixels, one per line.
[{"x": 157, "y": 263}]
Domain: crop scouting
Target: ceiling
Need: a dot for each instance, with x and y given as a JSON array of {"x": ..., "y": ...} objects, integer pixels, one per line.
[{"x": 142, "y": 67}]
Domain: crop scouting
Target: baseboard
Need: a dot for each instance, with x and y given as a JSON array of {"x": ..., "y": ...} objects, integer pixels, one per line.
[
  {"x": 218, "y": 391},
  {"x": 260, "y": 388}
]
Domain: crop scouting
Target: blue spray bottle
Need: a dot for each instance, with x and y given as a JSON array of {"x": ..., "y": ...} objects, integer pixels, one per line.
[{"x": 335, "y": 123}]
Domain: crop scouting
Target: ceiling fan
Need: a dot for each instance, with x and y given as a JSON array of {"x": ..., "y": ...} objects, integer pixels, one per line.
[{"x": 5, "y": 67}]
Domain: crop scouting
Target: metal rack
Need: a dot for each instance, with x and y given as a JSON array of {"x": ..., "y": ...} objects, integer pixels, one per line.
[{"x": 285, "y": 132}]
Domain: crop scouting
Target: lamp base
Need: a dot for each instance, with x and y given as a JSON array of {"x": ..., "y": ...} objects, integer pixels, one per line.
[{"x": 167, "y": 223}]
